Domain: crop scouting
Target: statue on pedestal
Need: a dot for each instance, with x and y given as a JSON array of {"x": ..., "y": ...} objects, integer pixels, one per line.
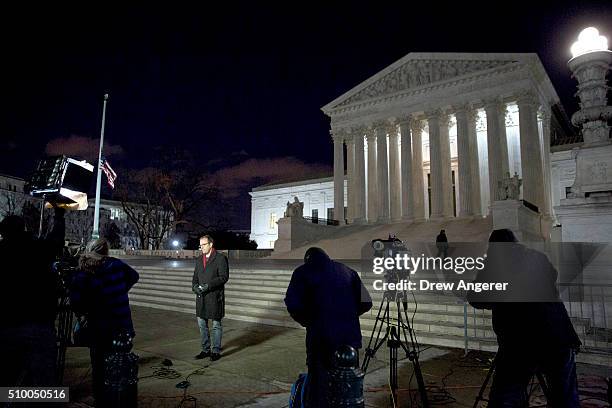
[
  {"x": 502, "y": 187},
  {"x": 514, "y": 187},
  {"x": 295, "y": 209}
]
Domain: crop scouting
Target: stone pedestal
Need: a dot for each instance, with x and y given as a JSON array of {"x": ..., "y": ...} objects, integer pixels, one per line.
[
  {"x": 512, "y": 214},
  {"x": 586, "y": 219},
  {"x": 593, "y": 175},
  {"x": 294, "y": 232}
]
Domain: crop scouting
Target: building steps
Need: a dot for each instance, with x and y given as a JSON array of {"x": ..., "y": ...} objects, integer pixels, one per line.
[{"x": 258, "y": 296}]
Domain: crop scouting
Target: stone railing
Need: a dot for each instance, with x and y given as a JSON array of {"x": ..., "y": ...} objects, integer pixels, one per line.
[{"x": 190, "y": 254}]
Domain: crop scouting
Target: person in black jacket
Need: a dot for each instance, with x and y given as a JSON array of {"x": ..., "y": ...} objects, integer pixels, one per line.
[
  {"x": 534, "y": 331},
  {"x": 209, "y": 277},
  {"x": 28, "y": 303},
  {"x": 327, "y": 298},
  {"x": 442, "y": 244},
  {"x": 99, "y": 290}
]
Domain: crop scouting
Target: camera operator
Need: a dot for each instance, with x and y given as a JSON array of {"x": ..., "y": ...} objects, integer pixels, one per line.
[
  {"x": 100, "y": 290},
  {"x": 327, "y": 298},
  {"x": 28, "y": 302},
  {"x": 534, "y": 331}
]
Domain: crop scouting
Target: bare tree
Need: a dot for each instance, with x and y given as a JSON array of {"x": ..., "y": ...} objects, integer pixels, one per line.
[
  {"x": 166, "y": 196},
  {"x": 11, "y": 202}
]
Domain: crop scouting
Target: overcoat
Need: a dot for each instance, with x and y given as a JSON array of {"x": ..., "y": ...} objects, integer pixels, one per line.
[{"x": 211, "y": 305}]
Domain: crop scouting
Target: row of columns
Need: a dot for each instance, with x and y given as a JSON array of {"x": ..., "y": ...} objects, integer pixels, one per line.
[{"x": 395, "y": 188}]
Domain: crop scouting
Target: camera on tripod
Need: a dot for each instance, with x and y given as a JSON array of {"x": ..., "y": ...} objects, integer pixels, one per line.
[
  {"x": 66, "y": 266},
  {"x": 390, "y": 248},
  {"x": 392, "y": 325}
]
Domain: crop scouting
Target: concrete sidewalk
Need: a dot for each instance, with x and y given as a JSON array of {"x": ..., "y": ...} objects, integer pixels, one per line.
[{"x": 259, "y": 363}]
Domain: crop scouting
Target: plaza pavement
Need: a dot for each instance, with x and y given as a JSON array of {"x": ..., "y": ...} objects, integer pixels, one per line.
[{"x": 260, "y": 362}]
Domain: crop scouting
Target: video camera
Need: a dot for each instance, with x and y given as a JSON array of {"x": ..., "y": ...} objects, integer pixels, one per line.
[
  {"x": 66, "y": 266},
  {"x": 389, "y": 248}
]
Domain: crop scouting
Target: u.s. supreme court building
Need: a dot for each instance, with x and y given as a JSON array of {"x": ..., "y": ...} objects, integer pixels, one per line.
[{"x": 435, "y": 136}]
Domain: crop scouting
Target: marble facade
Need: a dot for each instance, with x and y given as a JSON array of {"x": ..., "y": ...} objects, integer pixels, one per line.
[{"x": 445, "y": 128}]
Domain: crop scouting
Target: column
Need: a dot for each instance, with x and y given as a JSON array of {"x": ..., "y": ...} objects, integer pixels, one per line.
[
  {"x": 445, "y": 163},
  {"x": 464, "y": 162},
  {"x": 418, "y": 187},
  {"x": 395, "y": 189},
  {"x": 544, "y": 115},
  {"x": 531, "y": 157},
  {"x": 407, "y": 191},
  {"x": 497, "y": 146},
  {"x": 472, "y": 116},
  {"x": 350, "y": 176},
  {"x": 382, "y": 170},
  {"x": 435, "y": 165},
  {"x": 359, "y": 199},
  {"x": 372, "y": 177},
  {"x": 338, "y": 137}
]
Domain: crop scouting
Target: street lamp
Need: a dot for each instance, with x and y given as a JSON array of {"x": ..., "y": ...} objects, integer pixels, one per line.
[
  {"x": 589, "y": 65},
  {"x": 175, "y": 243}
]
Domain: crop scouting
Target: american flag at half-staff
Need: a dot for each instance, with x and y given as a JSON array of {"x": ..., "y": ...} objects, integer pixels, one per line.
[{"x": 110, "y": 173}]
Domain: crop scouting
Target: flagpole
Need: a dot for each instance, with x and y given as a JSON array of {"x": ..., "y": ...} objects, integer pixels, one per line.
[{"x": 95, "y": 233}]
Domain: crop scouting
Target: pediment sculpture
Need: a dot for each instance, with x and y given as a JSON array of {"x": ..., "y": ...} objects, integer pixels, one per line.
[{"x": 415, "y": 73}]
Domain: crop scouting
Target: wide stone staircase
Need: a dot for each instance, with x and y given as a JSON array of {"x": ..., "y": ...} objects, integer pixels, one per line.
[{"x": 256, "y": 295}]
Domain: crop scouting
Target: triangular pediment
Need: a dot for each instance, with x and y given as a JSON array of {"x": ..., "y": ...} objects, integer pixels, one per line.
[{"x": 422, "y": 70}]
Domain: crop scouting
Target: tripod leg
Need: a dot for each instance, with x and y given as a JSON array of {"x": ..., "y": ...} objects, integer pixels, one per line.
[
  {"x": 378, "y": 323},
  {"x": 543, "y": 385},
  {"x": 483, "y": 387},
  {"x": 393, "y": 346},
  {"x": 412, "y": 352},
  {"x": 420, "y": 381}
]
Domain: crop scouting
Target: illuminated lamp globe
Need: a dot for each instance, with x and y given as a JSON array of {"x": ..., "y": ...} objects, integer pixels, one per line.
[
  {"x": 175, "y": 243},
  {"x": 589, "y": 40}
]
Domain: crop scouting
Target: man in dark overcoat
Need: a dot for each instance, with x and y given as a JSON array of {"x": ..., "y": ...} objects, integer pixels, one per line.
[
  {"x": 209, "y": 278},
  {"x": 327, "y": 298}
]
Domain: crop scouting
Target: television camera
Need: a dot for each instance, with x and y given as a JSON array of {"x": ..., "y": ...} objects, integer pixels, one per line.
[
  {"x": 389, "y": 248},
  {"x": 392, "y": 325}
]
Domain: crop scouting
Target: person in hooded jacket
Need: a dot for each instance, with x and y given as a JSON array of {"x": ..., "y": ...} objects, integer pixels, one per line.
[
  {"x": 327, "y": 298},
  {"x": 99, "y": 290},
  {"x": 534, "y": 331}
]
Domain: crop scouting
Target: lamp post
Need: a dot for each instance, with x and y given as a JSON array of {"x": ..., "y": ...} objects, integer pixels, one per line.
[
  {"x": 586, "y": 212},
  {"x": 590, "y": 65}
]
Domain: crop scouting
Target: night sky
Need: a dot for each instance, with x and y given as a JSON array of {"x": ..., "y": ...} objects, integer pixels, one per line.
[{"x": 241, "y": 86}]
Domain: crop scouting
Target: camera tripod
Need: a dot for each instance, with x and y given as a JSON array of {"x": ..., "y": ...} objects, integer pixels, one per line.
[
  {"x": 394, "y": 331},
  {"x": 480, "y": 396}
]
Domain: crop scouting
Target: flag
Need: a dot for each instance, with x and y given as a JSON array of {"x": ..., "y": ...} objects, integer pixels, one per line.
[{"x": 110, "y": 173}]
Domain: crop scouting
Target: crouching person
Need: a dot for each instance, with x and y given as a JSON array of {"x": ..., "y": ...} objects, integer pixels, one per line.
[
  {"x": 100, "y": 291},
  {"x": 327, "y": 298}
]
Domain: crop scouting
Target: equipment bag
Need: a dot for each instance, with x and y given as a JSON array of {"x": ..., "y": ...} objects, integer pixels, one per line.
[{"x": 297, "y": 398}]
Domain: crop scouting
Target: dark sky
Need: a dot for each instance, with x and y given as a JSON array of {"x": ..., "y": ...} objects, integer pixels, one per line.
[{"x": 240, "y": 83}]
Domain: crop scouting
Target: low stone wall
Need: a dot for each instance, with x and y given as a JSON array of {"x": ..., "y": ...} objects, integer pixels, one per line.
[{"x": 190, "y": 254}]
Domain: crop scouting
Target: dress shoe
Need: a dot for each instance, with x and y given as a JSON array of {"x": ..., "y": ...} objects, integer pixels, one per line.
[
  {"x": 203, "y": 354},
  {"x": 215, "y": 356}
]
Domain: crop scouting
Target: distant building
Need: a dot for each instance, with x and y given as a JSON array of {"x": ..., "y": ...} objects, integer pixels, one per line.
[
  {"x": 79, "y": 224},
  {"x": 269, "y": 202}
]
